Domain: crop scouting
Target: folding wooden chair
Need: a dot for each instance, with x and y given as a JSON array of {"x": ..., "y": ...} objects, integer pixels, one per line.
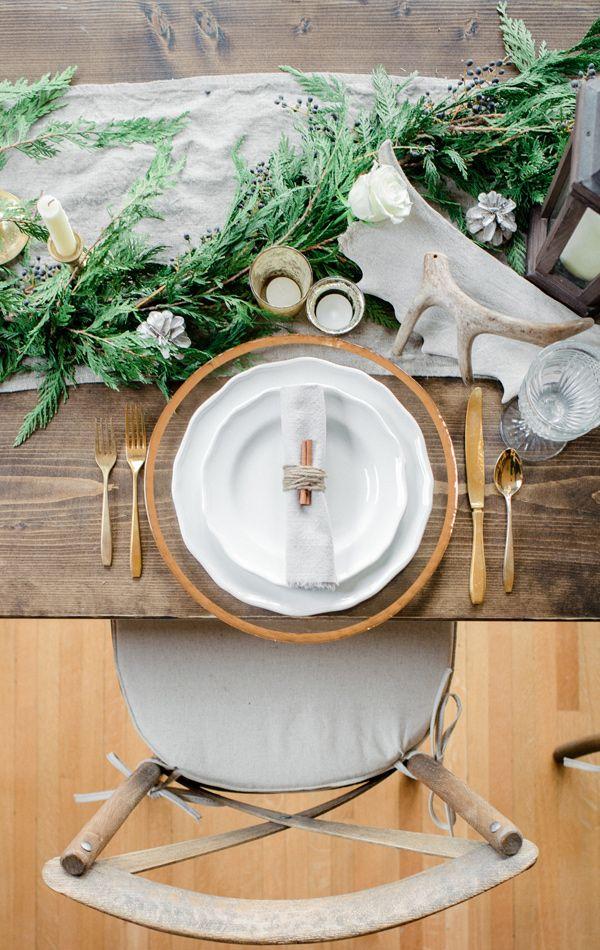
[{"x": 222, "y": 710}]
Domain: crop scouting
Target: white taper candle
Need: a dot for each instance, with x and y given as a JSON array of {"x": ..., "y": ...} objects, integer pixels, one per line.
[{"x": 55, "y": 219}]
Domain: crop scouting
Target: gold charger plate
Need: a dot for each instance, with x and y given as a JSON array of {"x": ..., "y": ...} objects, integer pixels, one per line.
[{"x": 163, "y": 447}]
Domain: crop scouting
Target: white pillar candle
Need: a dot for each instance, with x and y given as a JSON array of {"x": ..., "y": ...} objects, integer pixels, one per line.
[
  {"x": 581, "y": 255},
  {"x": 334, "y": 311},
  {"x": 282, "y": 292},
  {"x": 55, "y": 219}
]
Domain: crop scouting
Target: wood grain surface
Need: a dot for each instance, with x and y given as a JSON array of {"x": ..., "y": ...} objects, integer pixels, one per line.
[
  {"x": 51, "y": 505},
  {"x": 50, "y": 492},
  {"x": 527, "y": 687},
  {"x": 163, "y": 39}
]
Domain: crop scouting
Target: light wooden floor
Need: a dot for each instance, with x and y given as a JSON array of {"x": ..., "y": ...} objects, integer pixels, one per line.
[{"x": 526, "y": 688}]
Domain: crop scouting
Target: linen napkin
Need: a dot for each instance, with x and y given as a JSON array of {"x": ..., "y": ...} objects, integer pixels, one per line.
[{"x": 309, "y": 557}]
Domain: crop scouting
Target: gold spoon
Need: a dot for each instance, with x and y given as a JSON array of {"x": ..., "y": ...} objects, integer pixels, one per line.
[{"x": 508, "y": 478}]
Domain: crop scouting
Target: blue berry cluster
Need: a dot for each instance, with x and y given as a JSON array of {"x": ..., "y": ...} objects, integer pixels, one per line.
[
  {"x": 417, "y": 152},
  {"x": 38, "y": 271},
  {"x": 260, "y": 173},
  {"x": 588, "y": 74},
  {"x": 260, "y": 177},
  {"x": 311, "y": 106},
  {"x": 208, "y": 235},
  {"x": 485, "y": 79}
]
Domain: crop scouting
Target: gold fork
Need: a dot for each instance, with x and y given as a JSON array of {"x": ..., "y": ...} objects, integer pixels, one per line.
[
  {"x": 106, "y": 456},
  {"x": 135, "y": 441}
]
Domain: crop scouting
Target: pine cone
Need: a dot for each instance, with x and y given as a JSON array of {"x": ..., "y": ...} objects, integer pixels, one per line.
[
  {"x": 167, "y": 331},
  {"x": 492, "y": 218}
]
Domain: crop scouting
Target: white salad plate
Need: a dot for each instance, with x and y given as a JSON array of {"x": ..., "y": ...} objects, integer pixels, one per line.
[
  {"x": 244, "y": 504},
  {"x": 247, "y": 586}
]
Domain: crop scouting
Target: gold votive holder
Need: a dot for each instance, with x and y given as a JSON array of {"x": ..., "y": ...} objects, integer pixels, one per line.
[
  {"x": 76, "y": 260},
  {"x": 280, "y": 261},
  {"x": 12, "y": 239},
  {"x": 335, "y": 285}
]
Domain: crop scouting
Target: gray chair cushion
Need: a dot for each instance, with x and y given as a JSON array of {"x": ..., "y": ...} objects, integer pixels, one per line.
[{"x": 236, "y": 712}]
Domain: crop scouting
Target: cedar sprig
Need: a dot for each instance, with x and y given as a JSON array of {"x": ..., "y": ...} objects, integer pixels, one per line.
[
  {"x": 23, "y": 104},
  {"x": 298, "y": 195}
]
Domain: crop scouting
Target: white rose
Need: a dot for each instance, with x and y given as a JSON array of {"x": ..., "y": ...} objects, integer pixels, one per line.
[{"x": 380, "y": 195}]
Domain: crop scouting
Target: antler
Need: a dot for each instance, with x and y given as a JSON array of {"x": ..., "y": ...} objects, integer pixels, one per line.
[{"x": 439, "y": 289}]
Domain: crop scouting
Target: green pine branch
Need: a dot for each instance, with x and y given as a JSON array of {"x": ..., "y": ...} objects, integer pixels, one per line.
[
  {"x": 53, "y": 390},
  {"x": 518, "y": 41},
  {"x": 24, "y": 104},
  {"x": 297, "y": 195}
]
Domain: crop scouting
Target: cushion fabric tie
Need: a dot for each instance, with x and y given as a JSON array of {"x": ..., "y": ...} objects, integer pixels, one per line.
[
  {"x": 176, "y": 796},
  {"x": 439, "y": 738}
]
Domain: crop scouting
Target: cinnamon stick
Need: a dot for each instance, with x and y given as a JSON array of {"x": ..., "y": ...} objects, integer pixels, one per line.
[{"x": 306, "y": 458}]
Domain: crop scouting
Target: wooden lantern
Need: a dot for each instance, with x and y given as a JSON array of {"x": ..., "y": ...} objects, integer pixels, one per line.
[{"x": 563, "y": 254}]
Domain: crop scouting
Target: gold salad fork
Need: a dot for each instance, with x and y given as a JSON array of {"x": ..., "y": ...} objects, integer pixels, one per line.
[
  {"x": 135, "y": 442},
  {"x": 106, "y": 456}
]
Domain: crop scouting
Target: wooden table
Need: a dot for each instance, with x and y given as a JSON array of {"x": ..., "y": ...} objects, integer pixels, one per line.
[
  {"x": 50, "y": 501},
  {"x": 50, "y": 491},
  {"x": 163, "y": 39}
]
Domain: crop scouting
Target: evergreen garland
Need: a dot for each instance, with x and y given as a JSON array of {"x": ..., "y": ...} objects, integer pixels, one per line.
[{"x": 505, "y": 134}]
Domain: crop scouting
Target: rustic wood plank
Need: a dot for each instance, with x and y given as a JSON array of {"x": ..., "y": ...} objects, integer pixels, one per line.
[
  {"x": 50, "y": 511},
  {"x": 164, "y": 39},
  {"x": 49, "y": 490}
]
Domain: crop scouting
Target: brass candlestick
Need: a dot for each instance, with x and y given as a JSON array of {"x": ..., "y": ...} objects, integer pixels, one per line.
[
  {"x": 76, "y": 260},
  {"x": 12, "y": 239}
]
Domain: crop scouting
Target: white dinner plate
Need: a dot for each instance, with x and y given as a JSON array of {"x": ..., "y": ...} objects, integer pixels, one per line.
[
  {"x": 242, "y": 496},
  {"x": 246, "y": 586}
]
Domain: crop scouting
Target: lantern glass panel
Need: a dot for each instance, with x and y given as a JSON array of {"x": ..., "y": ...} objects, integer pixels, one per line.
[
  {"x": 581, "y": 255},
  {"x": 564, "y": 240}
]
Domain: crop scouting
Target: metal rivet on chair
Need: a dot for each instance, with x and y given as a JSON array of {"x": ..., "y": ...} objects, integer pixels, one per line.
[
  {"x": 86, "y": 846},
  {"x": 495, "y": 826}
]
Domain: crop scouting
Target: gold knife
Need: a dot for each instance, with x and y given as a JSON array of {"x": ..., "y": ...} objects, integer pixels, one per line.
[{"x": 476, "y": 488}]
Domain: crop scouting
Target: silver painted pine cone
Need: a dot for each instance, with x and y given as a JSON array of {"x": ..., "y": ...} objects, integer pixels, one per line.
[
  {"x": 492, "y": 218},
  {"x": 167, "y": 331}
]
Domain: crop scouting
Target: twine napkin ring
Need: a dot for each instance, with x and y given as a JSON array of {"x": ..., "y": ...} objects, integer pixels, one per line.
[{"x": 307, "y": 477}]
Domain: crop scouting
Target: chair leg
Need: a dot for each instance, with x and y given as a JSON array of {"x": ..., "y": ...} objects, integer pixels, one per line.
[
  {"x": 83, "y": 850},
  {"x": 497, "y": 830}
]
